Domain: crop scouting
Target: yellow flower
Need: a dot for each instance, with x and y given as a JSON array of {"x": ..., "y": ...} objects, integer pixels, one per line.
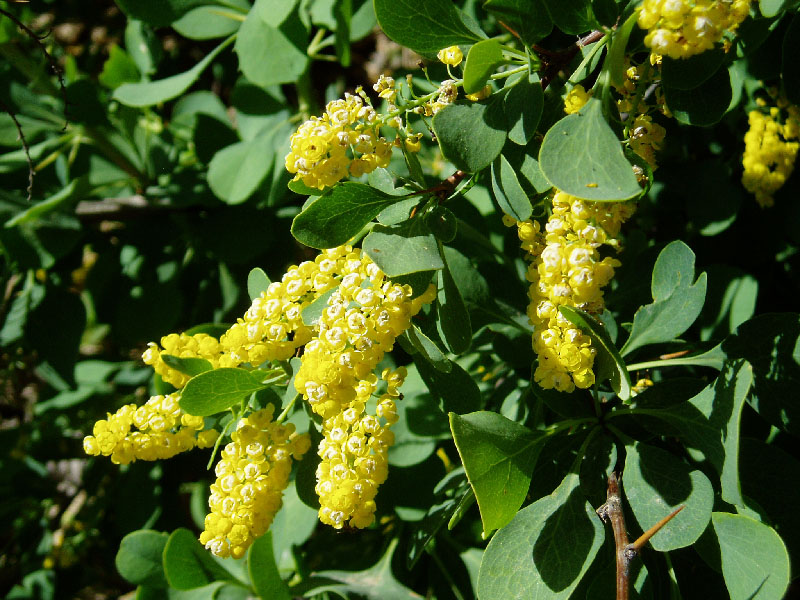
[
  {"x": 451, "y": 56},
  {"x": 576, "y": 99}
]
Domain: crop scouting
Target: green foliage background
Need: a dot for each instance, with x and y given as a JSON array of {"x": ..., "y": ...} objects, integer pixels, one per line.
[{"x": 160, "y": 185}]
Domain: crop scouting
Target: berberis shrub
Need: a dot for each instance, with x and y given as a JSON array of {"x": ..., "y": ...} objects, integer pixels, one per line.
[{"x": 398, "y": 299}]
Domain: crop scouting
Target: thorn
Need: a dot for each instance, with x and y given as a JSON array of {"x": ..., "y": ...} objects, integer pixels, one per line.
[{"x": 645, "y": 537}]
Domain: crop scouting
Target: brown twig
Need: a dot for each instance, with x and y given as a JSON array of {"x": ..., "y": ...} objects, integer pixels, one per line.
[
  {"x": 626, "y": 551},
  {"x": 25, "y": 148}
]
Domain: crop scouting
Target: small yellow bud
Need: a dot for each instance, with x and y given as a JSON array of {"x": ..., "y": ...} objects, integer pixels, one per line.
[{"x": 451, "y": 56}]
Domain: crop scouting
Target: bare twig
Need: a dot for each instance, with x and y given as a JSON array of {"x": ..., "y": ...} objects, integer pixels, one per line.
[
  {"x": 50, "y": 60},
  {"x": 25, "y": 148},
  {"x": 626, "y": 552}
]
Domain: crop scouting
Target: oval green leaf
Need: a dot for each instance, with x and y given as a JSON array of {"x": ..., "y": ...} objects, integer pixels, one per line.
[
  {"x": 139, "y": 558},
  {"x": 755, "y": 563},
  {"x": 581, "y": 156},
  {"x": 703, "y": 105},
  {"x": 656, "y": 483},
  {"x": 425, "y": 27},
  {"x": 237, "y": 170},
  {"x": 214, "y": 391},
  {"x": 454, "y": 323},
  {"x": 147, "y": 93},
  {"x": 471, "y": 135},
  {"x": 333, "y": 218},
  {"x": 402, "y": 249},
  {"x": 188, "y": 565},
  {"x": 482, "y": 60},
  {"x": 257, "y": 281},
  {"x": 208, "y": 22},
  {"x": 499, "y": 456},
  {"x": 508, "y": 192},
  {"x": 263, "y": 571}
]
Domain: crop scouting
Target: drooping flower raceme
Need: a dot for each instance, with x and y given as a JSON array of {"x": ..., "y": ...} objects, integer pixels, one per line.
[
  {"x": 566, "y": 269},
  {"x": 683, "y": 28},
  {"x": 771, "y": 146},
  {"x": 160, "y": 431},
  {"x": 345, "y": 141},
  {"x": 354, "y": 453},
  {"x": 251, "y": 474},
  {"x": 360, "y": 324}
]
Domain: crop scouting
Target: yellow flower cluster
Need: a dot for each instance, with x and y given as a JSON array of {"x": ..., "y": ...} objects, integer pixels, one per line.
[
  {"x": 566, "y": 269},
  {"x": 182, "y": 345},
  {"x": 576, "y": 99},
  {"x": 345, "y": 141},
  {"x": 771, "y": 145},
  {"x": 360, "y": 324},
  {"x": 251, "y": 474},
  {"x": 162, "y": 431},
  {"x": 354, "y": 453},
  {"x": 683, "y": 28}
]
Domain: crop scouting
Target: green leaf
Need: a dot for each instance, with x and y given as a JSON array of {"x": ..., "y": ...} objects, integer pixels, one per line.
[
  {"x": 401, "y": 249},
  {"x": 472, "y": 134},
  {"x": 427, "y": 348},
  {"x": 237, "y": 170},
  {"x": 450, "y": 495},
  {"x": 312, "y": 313},
  {"x": 755, "y": 563},
  {"x": 263, "y": 571},
  {"x": 119, "y": 68},
  {"x": 709, "y": 425},
  {"x": 790, "y": 68},
  {"x": 270, "y": 54},
  {"x": 425, "y": 27},
  {"x": 572, "y": 16},
  {"x": 703, "y": 105},
  {"x": 523, "y": 105},
  {"x": 616, "y": 53},
  {"x": 214, "y": 391},
  {"x": 62, "y": 198},
  {"x": 139, "y": 558},
  {"x": 189, "y": 366},
  {"x": 143, "y": 47},
  {"x": 771, "y": 8},
  {"x": 529, "y": 18},
  {"x": 677, "y": 301},
  {"x": 147, "y": 93},
  {"x": 157, "y": 12},
  {"x": 689, "y": 73},
  {"x": 257, "y": 281},
  {"x": 333, "y": 218},
  {"x": 508, "y": 192},
  {"x": 545, "y": 550},
  {"x": 581, "y": 156},
  {"x": 656, "y": 483},
  {"x": 769, "y": 476},
  {"x": 609, "y": 362},
  {"x": 771, "y": 344},
  {"x": 208, "y": 22},
  {"x": 188, "y": 565},
  {"x": 499, "y": 456},
  {"x": 275, "y": 12},
  {"x": 453, "y": 323},
  {"x": 440, "y": 220},
  {"x": 376, "y": 583},
  {"x": 482, "y": 60},
  {"x": 455, "y": 388}
]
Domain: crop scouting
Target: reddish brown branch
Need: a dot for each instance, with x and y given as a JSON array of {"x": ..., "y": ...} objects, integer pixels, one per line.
[
  {"x": 25, "y": 148},
  {"x": 626, "y": 552}
]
